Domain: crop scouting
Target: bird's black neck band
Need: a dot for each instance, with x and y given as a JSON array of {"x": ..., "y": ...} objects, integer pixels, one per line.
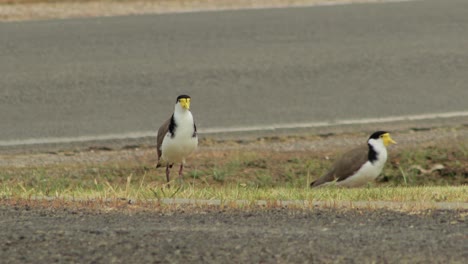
[
  {"x": 172, "y": 126},
  {"x": 372, "y": 155}
]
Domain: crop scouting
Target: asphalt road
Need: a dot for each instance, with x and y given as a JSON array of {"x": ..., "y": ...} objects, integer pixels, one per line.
[
  {"x": 101, "y": 76},
  {"x": 278, "y": 236}
]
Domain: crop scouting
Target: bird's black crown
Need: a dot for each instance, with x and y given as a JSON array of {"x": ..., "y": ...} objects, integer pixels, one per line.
[
  {"x": 377, "y": 134},
  {"x": 181, "y": 97}
]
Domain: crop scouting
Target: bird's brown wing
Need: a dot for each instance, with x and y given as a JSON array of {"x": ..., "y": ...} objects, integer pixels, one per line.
[
  {"x": 345, "y": 166},
  {"x": 351, "y": 162},
  {"x": 162, "y": 131}
]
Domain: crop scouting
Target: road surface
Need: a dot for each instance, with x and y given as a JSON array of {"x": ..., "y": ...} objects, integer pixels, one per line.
[
  {"x": 277, "y": 236},
  {"x": 119, "y": 77}
]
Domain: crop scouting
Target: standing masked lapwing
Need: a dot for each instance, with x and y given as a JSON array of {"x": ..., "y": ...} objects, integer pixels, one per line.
[
  {"x": 359, "y": 166},
  {"x": 177, "y": 137}
]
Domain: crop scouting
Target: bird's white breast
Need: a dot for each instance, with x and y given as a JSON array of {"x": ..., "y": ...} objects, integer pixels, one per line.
[
  {"x": 367, "y": 173},
  {"x": 176, "y": 148}
]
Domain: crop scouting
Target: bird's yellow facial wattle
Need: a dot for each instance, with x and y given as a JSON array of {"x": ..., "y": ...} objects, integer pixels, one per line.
[
  {"x": 387, "y": 140},
  {"x": 185, "y": 103}
]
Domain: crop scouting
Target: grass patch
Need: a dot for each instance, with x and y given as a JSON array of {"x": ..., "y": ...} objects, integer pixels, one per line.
[
  {"x": 247, "y": 175},
  {"x": 137, "y": 191}
]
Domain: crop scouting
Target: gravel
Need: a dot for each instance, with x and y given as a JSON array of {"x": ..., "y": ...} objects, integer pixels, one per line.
[{"x": 213, "y": 236}]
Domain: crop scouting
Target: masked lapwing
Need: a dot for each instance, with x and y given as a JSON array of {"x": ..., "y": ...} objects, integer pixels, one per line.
[
  {"x": 177, "y": 137},
  {"x": 359, "y": 166}
]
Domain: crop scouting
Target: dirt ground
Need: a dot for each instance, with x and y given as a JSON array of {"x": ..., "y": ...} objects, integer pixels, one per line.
[
  {"x": 31, "y": 235},
  {"x": 20, "y": 10}
]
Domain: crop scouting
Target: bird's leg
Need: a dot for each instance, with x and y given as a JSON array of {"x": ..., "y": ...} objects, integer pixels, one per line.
[
  {"x": 167, "y": 173},
  {"x": 180, "y": 171}
]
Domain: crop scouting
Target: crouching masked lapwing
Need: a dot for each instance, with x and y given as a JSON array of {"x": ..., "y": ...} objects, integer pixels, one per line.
[
  {"x": 177, "y": 137},
  {"x": 359, "y": 166}
]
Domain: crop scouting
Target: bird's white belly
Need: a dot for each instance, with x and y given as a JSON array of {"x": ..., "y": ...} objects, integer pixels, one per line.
[
  {"x": 367, "y": 173},
  {"x": 176, "y": 149}
]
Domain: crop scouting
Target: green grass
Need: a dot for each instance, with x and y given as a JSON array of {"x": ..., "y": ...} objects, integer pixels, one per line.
[
  {"x": 246, "y": 175},
  {"x": 141, "y": 191}
]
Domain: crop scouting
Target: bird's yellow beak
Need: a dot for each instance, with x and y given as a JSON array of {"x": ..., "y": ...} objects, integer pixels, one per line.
[
  {"x": 387, "y": 140},
  {"x": 185, "y": 103}
]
